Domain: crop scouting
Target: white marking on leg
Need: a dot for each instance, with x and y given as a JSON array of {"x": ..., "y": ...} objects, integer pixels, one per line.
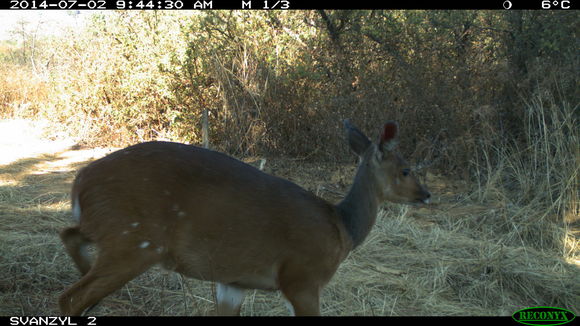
[
  {"x": 290, "y": 307},
  {"x": 229, "y": 297}
]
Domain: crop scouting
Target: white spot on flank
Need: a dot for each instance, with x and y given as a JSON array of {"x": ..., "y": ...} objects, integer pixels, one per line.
[
  {"x": 144, "y": 244},
  {"x": 181, "y": 214},
  {"x": 136, "y": 224}
]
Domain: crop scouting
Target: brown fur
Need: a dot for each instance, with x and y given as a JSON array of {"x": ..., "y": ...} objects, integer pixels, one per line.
[{"x": 205, "y": 215}]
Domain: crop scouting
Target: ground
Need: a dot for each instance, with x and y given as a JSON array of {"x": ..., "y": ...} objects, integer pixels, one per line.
[{"x": 433, "y": 260}]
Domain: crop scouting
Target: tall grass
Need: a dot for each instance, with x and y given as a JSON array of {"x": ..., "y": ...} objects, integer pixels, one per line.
[
  {"x": 22, "y": 92},
  {"x": 535, "y": 181}
]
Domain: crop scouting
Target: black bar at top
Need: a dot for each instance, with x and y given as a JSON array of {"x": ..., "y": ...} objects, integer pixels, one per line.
[{"x": 285, "y": 4}]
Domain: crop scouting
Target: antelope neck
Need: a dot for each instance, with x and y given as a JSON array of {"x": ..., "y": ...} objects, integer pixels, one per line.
[{"x": 358, "y": 209}]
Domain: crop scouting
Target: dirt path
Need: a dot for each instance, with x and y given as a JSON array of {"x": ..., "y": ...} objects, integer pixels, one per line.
[{"x": 38, "y": 160}]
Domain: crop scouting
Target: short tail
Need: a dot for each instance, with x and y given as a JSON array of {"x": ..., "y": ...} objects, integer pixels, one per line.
[
  {"x": 76, "y": 209},
  {"x": 74, "y": 241},
  {"x": 76, "y": 205}
]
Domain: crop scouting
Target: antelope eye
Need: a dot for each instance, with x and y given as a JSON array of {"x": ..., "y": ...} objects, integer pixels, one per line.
[{"x": 406, "y": 172}]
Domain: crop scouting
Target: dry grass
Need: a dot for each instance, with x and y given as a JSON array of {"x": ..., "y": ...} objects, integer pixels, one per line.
[
  {"x": 22, "y": 93},
  {"x": 477, "y": 251}
]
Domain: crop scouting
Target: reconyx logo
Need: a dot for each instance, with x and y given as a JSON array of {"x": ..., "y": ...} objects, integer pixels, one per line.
[{"x": 543, "y": 316}]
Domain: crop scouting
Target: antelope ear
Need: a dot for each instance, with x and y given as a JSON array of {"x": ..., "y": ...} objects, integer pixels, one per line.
[
  {"x": 357, "y": 141},
  {"x": 388, "y": 139}
]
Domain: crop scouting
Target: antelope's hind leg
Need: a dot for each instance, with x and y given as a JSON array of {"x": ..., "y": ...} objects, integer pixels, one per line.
[
  {"x": 113, "y": 268},
  {"x": 76, "y": 245}
]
